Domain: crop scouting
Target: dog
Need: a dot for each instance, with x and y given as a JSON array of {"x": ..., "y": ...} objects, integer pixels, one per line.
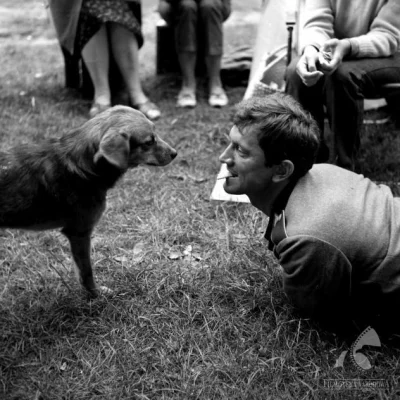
[{"x": 63, "y": 182}]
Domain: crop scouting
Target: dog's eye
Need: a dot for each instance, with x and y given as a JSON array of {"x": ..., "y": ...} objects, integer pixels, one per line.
[{"x": 149, "y": 142}]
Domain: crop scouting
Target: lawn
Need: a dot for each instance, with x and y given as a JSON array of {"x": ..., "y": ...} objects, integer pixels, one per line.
[{"x": 197, "y": 310}]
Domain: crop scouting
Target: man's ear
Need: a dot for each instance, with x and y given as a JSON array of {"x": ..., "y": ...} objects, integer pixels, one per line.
[{"x": 283, "y": 171}]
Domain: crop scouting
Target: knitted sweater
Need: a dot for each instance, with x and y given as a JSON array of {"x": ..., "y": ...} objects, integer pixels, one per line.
[
  {"x": 338, "y": 242},
  {"x": 373, "y": 26}
]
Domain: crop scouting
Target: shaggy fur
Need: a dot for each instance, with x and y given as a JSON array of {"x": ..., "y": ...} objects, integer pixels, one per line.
[{"x": 63, "y": 182}]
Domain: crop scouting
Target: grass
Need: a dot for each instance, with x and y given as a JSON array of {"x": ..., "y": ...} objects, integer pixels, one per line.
[{"x": 197, "y": 310}]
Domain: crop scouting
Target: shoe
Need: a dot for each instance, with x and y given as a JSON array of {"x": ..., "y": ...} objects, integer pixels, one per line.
[
  {"x": 218, "y": 98},
  {"x": 149, "y": 109},
  {"x": 377, "y": 116},
  {"x": 186, "y": 99},
  {"x": 98, "y": 108}
]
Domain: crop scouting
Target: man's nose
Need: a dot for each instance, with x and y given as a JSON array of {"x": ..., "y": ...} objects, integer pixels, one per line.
[{"x": 225, "y": 156}]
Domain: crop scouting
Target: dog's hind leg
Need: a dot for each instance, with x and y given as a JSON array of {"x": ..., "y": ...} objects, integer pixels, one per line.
[{"x": 81, "y": 247}]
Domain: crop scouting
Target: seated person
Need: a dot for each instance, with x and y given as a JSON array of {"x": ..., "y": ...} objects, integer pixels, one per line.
[
  {"x": 90, "y": 28},
  {"x": 348, "y": 50},
  {"x": 335, "y": 233},
  {"x": 191, "y": 17}
]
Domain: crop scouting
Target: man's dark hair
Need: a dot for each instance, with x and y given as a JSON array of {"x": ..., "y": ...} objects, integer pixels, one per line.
[{"x": 285, "y": 130}]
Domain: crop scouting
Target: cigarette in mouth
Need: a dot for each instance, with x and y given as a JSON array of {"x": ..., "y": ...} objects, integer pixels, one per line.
[{"x": 224, "y": 176}]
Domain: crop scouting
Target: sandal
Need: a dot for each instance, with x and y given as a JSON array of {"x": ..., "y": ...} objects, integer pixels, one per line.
[
  {"x": 98, "y": 108},
  {"x": 218, "y": 98},
  {"x": 186, "y": 99},
  {"x": 149, "y": 109}
]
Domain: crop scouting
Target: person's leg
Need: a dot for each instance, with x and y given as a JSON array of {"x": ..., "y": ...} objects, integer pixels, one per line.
[
  {"x": 96, "y": 57},
  {"x": 125, "y": 50},
  {"x": 212, "y": 14},
  {"x": 186, "y": 48},
  {"x": 345, "y": 92},
  {"x": 187, "y": 62},
  {"x": 311, "y": 98}
]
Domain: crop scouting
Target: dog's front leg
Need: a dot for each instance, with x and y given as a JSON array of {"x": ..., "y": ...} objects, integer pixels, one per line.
[{"x": 81, "y": 248}]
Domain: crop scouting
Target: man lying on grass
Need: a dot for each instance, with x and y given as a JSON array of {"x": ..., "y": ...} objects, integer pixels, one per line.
[{"x": 335, "y": 233}]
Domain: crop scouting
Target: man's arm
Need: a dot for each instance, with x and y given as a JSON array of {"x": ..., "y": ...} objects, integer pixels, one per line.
[
  {"x": 318, "y": 24},
  {"x": 316, "y": 278},
  {"x": 383, "y": 39}
]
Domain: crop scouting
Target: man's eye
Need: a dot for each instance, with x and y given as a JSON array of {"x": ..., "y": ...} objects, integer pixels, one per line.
[{"x": 237, "y": 148}]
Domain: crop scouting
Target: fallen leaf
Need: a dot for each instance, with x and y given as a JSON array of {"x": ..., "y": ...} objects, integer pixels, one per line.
[
  {"x": 138, "y": 248},
  {"x": 121, "y": 259},
  {"x": 174, "y": 255},
  {"x": 188, "y": 250},
  {"x": 197, "y": 179},
  {"x": 196, "y": 256},
  {"x": 238, "y": 237},
  {"x": 178, "y": 177}
]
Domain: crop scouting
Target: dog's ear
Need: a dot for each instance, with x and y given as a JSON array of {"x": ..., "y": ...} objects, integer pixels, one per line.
[{"x": 114, "y": 147}]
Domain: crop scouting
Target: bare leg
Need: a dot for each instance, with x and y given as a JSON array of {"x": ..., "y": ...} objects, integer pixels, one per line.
[
  {"x": 96, "y": 57},
  {"x": 187, "y": 62},
  {"x": 218, "y": 96},
  {"x": 126, "y": 53},
  {"x": 214, "y": 68}
]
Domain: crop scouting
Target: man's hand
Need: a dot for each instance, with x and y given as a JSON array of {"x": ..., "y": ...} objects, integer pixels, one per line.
[
  {"x": 307, "y": 66},
  {"x": 338, "y": 50}
]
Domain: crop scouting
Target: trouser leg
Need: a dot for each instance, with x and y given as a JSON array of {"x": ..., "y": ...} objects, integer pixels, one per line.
[
  {"x": 311, "y": 98},
  {"x": 212, "y": 14},
  {"x": 186, "y": 26},
  {"x": 345, "y": 91}
]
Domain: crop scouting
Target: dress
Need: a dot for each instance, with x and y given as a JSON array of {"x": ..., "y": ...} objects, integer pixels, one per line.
[
  {"x": 76, "y": 21},
  {"x": 373, "y": 28},
  {"x": 338, "y": 242}
]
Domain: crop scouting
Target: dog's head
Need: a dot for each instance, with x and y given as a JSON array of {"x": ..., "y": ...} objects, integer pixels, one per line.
[{"x": 128, "y": 139}]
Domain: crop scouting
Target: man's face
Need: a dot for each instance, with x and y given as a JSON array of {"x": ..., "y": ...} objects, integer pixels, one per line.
[{"x": 245, "y": 161}]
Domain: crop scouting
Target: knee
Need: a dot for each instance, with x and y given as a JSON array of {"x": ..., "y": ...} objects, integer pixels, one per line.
[
  {"x": 165, "y": 10},
  {"x": 346, "y": 73},
  {"x": 212, "y": 8},
  {"x": 187, "y": 7}
]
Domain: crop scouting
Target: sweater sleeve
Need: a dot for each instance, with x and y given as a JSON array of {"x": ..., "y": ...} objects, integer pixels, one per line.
[
  {"x": 318, "y": 24},
  {"x": 316, "y": 278},
  {"x": 383, "y": 39}
]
